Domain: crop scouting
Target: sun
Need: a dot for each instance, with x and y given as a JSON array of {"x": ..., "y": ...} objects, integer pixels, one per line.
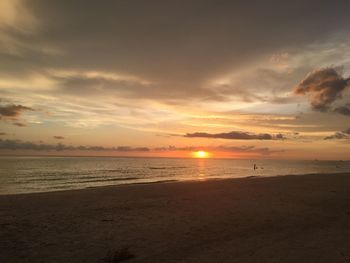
[{"x": 200, "y": 154}]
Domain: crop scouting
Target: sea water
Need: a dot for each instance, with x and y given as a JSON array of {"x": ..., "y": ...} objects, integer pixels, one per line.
[{"x": 45, "y": 174}]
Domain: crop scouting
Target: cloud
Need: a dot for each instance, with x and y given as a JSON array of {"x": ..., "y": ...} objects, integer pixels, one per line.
[
  {"x": 339, "y": 135},
  {"x": 19, "y": 124},
  {"x": 249, "y": 149},
  {"x": 344, "y": 110},
  {"x": 236, "y": 135},
  {"x": 22, "y": 145},
  {"x": 6, "y": 144},
  {"x": 57, "y": 137},
  {"x": 222, "y": 148},
  {"x": 347, "y": 131},
  {"x": 14, "y": 13},
  {"x": 3, "y": 133},
  {"x": 145, "y": 55},
  {"x": 174, "y": 54},
  {"x": 116, "y": 149},
  {"x": 324, "y": 87},
  {"x": 336, "y": 136},
  {"x": 12, "y": 110}
]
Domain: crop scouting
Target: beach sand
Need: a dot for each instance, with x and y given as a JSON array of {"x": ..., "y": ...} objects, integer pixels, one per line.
[{"x": 277, "y": 219}]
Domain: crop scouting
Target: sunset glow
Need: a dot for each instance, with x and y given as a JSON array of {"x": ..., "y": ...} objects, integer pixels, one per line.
[
  {"x": 201, "y": 154},
  {"x": 127, "y": 94}
]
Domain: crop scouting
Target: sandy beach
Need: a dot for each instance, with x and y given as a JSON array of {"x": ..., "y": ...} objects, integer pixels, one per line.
[{"x": 277, "y": 219}]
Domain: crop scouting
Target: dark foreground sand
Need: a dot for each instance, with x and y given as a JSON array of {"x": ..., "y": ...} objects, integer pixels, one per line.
[{"x": 281, "y": 219}]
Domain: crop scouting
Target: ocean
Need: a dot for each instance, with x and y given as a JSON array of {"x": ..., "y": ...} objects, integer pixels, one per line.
[{"x": 44, "y": 174}]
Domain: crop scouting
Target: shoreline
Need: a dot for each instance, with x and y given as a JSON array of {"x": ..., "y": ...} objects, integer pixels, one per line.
[
  {"x": 171, "y": 182},
  {"x": 172, "y": 157},
  {"x": 296, "y": 218}
]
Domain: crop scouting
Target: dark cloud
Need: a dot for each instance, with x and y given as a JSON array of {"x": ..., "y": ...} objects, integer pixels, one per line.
[
  {"x": 236, "y": 135},
  {"x": 344, "y": 110},
  {"x": 12, "y": 110},
  {"x": 347, "y": 131},
  {"x": 114, "y": 149},
  {"x": 323, "y": 86},
  {"x": 21, "y": 145},
  {"x": 339, "y": 135},
  {"x": 280, "y": 136},
  {"x": 19, "y": 124},
  {"x": 221, "y": 148},
  {"x": 249, "y": 149},
  {"x": 57, "y": 137}
]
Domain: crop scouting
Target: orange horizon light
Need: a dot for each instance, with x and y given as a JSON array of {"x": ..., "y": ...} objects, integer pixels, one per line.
[{"x": 200, "y": 154}]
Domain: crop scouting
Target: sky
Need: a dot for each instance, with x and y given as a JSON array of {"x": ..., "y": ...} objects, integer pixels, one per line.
[{"x": 239, "y": 79}]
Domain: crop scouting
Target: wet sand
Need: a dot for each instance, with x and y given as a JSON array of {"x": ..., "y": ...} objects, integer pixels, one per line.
[{"x": 278, "y": 219}]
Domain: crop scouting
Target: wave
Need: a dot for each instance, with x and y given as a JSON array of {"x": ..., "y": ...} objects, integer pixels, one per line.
[
  {"x": 105, "y": 180},
  {"x": 167, "y": 167}
]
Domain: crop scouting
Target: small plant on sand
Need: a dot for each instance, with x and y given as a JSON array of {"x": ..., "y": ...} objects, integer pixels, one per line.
[{"x": 119, "y": 255}]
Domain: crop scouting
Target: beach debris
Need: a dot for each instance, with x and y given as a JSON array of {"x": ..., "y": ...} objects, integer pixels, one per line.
[
  {"x": 119, "y": 255},
  {"x": 107, "y": 220}
]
